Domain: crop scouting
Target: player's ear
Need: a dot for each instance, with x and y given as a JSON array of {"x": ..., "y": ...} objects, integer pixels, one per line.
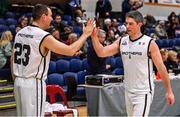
[
  {"x": 140, "y": 24},
  {"x": 43, "y": 16}
]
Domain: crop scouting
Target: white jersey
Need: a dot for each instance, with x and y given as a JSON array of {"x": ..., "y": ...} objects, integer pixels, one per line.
[
  {"x": 138, "y": 66},
  {"x": 28, "y": 60}
]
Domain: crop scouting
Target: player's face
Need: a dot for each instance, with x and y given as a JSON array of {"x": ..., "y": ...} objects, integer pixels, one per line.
[{"x": 132, "y": 26}]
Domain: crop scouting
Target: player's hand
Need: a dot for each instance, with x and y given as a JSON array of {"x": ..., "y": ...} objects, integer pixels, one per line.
[
  {"x": 94, "y": 34},
  {"x": 89, "y": 27},
  {"x": 170, "y": 98}
]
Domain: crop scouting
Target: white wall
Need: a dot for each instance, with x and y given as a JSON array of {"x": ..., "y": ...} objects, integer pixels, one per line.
[{"x": 160, "y": 12}]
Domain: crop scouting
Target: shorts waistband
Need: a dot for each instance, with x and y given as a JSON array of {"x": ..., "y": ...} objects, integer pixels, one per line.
[{"x": 28, "y": 78}]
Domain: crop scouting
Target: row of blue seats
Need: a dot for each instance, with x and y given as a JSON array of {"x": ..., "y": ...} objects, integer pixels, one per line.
[
  {"x": 16, "y": 15},
  {"x": 61, "y": 79},
  {"x": 8, "y": 21},
  {"x": 168, "y": 43},
  {"x": 76, "y": 65},
  {"x": 61, "y": 69}
]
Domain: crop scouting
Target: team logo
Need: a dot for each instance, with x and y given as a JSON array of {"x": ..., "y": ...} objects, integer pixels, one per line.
[{"x": 124, "y": 43}]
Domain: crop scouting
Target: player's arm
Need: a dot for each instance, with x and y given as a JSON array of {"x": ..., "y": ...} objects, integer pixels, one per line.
[
  {"x": 11, "y": 62},
  {"x": 104, "y": 51},
  {"x": 58, "y": 47},
  {"x": 157, "y": 60}
]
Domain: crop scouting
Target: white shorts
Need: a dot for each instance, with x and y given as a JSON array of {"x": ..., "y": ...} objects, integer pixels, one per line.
[
  {"x": 30, "y": 96},
  {"x": 138, "y": 104}
]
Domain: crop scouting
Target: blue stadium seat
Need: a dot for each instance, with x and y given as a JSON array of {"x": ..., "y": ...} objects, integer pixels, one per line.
[
  {"x": 62, "y": 66},
  {"x": 159, "y": 43},
  {"x": 10, "y": 15},
  {"x": 77, "y": 30},
  {"x": 66, "y": 18},
  {"x": 2, "y": 21},
  {"x": 12, "y": 28},
  {"x": 118, "y": 71},
  {"x": 85, "y": 64},
  {"x": 56, "y": 78},
  {"x": 11, "y": 21},
  {"x": 111, "y": 61},
  {"x": 81, "y": 80},
  {"x": 71, "y": 23},
  {"x": 3, "y": 28},
  {"x": 118, "y": 62},
  {"x": 29, "y": 15},
  {"x": 165, "y": 43},
  {"x": 81, "y": 77},
  {"x": 52, "y": 67},
  {"x": 75, "y": 65},
  {"x": 177, "y": 42},
  {"x": 171, "y": 42}
]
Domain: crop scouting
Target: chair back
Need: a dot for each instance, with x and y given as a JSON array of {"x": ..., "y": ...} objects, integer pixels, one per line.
[
  {"x": 52, "y": 90},
  {"x": 62, "y": 66},
  {"x": 76, "y": 65}
]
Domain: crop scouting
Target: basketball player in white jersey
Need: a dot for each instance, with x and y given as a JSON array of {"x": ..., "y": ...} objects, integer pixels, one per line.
[
  {"x": 31, "y": 58},
  {"x": 138, "y": 51}
]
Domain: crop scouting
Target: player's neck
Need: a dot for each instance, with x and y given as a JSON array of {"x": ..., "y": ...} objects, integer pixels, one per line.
[
  {"x": 136, "y": 36},
  {"x": 35, "y": 23}
]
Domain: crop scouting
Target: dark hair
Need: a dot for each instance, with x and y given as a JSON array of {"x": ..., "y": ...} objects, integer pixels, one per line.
[
  {"x": 136, "y": 15},
  {"x": 39, "y": 10}
]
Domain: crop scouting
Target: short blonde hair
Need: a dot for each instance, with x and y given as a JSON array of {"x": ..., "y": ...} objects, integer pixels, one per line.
[
  {"x": 171, "y": 53},
  {"x": 5, "y": 37}
]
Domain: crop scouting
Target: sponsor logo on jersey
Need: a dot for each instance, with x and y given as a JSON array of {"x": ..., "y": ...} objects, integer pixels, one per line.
[
  {"x": 25, "y": 35},
  {"x": 132, "y": 53}
]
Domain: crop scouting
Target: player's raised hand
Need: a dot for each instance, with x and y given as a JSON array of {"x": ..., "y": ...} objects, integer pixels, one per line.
[
  {"x": 89, "y": 27},
  {"x": 94, "y": 34}
]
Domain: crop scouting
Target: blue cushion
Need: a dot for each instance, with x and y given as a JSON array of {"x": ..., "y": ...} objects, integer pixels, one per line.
[
  {"x": 3, "y": 28},
  {"x": 81, "y": 77},
  {"x": 56, "y": 78},
  {"x": 111, "y": 61},
  {"x": 52, "y": 67},
  {"x": 11, "y": 21},
  {"x": 85, "y": 64},
  {"x": 75, "y": 65},
  {"x": 62, "y": 66},
  {"x": 118, "y": 62},
  {"x": 118, "y": 71}
]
